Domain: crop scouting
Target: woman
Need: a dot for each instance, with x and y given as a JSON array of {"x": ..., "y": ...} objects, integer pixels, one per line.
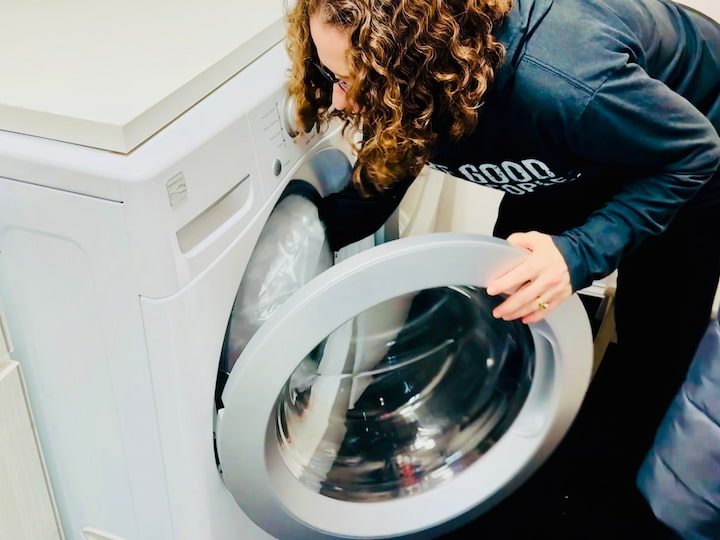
[{"x": 599, "y": 120}]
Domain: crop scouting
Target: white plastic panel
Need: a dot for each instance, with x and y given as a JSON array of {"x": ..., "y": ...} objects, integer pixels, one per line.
[
  {"x": 184, "y": 333},
  {"x": 252, "y": 467},
  {"x": 76, "y": 330},
  {"x": 276, "y": 152}
]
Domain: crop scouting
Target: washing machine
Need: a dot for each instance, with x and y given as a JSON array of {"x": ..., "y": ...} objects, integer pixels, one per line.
[{"x": 379, "y": 400}]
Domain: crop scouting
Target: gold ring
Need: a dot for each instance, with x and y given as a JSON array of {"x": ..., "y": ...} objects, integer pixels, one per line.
[{"x": 541, "y": 304}]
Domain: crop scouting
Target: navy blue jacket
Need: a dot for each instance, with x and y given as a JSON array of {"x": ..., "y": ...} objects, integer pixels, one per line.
[{"x": 623, "y": 91}]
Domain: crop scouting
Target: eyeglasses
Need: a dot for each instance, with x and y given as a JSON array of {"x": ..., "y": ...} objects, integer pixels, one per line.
[{"x": 330, "y": 77}]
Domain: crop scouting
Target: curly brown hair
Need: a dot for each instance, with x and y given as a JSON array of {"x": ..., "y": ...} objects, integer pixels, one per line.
[{"x": 420, "y": 69}]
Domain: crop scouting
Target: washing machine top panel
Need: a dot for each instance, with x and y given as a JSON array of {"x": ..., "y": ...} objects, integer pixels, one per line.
[{"x": 110, "y": 75}]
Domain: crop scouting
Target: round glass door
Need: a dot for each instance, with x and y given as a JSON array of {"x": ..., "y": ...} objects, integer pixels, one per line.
[
  {"x": 383, "y": 399},
  {"x": 405, "y": 396}
]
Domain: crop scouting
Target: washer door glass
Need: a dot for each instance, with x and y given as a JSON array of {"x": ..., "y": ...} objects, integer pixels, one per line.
[
  {"x": 383, "y": 399},
  {"x": 404, "y": 396}
]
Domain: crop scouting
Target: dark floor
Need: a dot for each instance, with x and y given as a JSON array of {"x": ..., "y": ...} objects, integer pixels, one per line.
[{"x": 586, "y": 489}]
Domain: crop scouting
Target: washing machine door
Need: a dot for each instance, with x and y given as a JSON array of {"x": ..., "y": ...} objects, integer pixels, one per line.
[{"x": 383, "y": 400}]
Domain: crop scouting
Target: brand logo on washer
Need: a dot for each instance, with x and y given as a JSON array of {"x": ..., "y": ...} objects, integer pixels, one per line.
[{"x": 176, "y": 189}]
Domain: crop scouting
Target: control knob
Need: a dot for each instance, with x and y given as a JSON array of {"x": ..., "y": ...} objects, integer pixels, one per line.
[{"x": 290, "y": 117}]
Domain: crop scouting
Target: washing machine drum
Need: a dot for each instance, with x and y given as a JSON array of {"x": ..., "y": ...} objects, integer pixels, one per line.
[
  {"x": 383, "y": 398},
  {"x": 291, "y": 250},
  {"x": 404, "y": 395}
]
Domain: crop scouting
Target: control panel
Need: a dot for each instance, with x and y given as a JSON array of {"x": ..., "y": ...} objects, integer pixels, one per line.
[{"x": 279, "y": 144}]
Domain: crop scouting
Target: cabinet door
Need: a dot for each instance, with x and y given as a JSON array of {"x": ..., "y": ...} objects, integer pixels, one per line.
[{"x": 26, "y": 504}]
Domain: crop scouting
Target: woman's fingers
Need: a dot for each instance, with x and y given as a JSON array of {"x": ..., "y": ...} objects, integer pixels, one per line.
[{"x": 537, "y": 285}]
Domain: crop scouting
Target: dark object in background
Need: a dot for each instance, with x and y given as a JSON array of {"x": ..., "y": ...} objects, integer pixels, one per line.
[
  {"x": 586, "y": 490},
  {"x": 680, "y": 477}
]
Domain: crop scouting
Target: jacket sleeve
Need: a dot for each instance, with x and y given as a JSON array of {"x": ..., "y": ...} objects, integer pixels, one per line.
[
  {"x": 638, "y": 124},
  {"x": 350, "y": 216}
]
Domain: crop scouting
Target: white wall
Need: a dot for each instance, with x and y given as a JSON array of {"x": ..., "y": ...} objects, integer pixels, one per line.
[
  {"x": 440, "y": 203},
  {"x": 709, "y": 7}
]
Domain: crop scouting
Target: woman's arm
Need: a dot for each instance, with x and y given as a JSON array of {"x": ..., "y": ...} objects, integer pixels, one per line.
[
  {"x": 348, "y": 216},
  {"x": 637, "y": 122},
  {"x": 633, "y": 123}
]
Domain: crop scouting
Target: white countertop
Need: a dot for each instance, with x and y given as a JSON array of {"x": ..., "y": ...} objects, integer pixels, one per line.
[{"x": 110, "y": 74}]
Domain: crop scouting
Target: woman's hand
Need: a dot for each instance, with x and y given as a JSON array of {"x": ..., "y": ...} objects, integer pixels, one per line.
[{"x": 537, "y": 285}]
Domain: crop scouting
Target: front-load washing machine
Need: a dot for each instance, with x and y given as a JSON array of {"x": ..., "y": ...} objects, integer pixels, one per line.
[{"x": 379, "y": 400}]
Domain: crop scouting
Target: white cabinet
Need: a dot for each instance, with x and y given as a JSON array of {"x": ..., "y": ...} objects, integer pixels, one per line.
[{"x": 27, "y": 509}]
